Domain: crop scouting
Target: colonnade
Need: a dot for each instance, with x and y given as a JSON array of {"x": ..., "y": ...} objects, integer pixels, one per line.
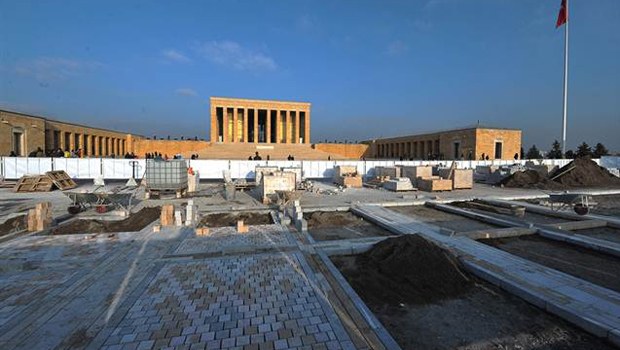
[
  {"x": 91, "y": 145},
  {"x": 258, "y": 121},
  {"x": 421, "y": 149}
]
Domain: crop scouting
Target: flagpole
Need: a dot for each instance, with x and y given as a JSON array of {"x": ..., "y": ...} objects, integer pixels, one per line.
[{"x": 565, "y": 81}]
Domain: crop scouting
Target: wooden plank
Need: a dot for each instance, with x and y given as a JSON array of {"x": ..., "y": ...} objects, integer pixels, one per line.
[{"x": 61, "y": 179}]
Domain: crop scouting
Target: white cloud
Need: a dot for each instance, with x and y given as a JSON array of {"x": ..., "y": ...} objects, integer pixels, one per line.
[
  {"x": 175, "y": 56},
  {"x": 186, "y": 92},
  {"x": 231, "y": 54},
  {"x": 46, "y": 69},
  {"x": 396, "y": 48}
]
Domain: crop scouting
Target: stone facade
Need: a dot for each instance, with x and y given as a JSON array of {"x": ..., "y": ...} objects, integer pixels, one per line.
[
  {"x": 236, "y": 120},
  {"x": 472, "y": 143},
  {"x": 23, "y": 133}
]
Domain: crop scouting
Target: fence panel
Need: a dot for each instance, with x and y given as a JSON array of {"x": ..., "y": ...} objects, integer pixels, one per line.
[
  {"x": 245, "y": 169},
  {"x": 210, "y": 169},
  {"x": 316, "y": 169},
  {"x": 610, "y": 162}
]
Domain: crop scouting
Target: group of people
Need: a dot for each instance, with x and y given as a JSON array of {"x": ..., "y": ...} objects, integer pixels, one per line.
[{"x": 258, "y": 157}]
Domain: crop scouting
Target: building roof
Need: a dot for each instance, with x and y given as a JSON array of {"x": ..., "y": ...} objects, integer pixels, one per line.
[
  {"x": 472, "y": 127},
  {"x": 67, "y": 123},
  {"x": 257, "y": 100}
]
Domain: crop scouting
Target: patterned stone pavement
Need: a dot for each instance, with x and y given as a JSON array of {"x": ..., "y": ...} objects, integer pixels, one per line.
[
  {"x": 147, "y": 290},
  {"x": 224, "y": 239},
  {"x": 256, "y": 302}
]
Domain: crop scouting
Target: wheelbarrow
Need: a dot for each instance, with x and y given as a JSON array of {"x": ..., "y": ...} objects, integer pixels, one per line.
[{"x": 580, "y": 202}]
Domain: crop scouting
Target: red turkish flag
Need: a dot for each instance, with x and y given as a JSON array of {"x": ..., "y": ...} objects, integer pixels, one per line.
[{"x": 563, "y": 15}]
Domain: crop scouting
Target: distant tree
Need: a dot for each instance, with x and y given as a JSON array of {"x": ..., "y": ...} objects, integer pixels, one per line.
[
  {"x": 600, "y": 150},
  {"x": 584, "y": 150},
  {"x": 556, "y": 151},
  {"x": 569, "y": 154},
  {"x": 522, "y": 153},
  {"x": 533, "y": 153}
]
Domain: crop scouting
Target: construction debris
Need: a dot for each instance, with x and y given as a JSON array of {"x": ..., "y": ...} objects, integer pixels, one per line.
[
  {"x": 461, "y": 178},
  {"x": 167, "y": 215},
  {"x": 276, "y": 181},
  {"x": 399, "y": 184},
  {"x": 415, "y": 172},
  {"x": 202, "y": 231},
  {"x": 347, "y": 176},
  {"x": 241, "y": 227},
  {"x": 434, "y": 183},
  {"x": 40, "y": 218}
]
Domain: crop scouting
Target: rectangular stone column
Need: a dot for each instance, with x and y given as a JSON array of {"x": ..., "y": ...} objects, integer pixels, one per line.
[
  {"x": 307, "y": 127},
  {"x": 225, "y": 125},
  {"x": 235, "y": 126},
  {"x": 268, "y": 127},
  {"x": 71, "y": 141},
  {"x": 245, "y": 125},
  {"x": 278, "y": 126},
  {"x": 95, "y": 148},
  {"x": 297, "y": 127},
  {"x": 214, "y": 128},
  {"x": 255, "y": 125},
  {"x": 287, "y": 127}
]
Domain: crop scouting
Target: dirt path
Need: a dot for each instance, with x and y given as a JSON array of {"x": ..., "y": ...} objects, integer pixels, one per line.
[
  {"x": 598, "y": 268},
  {"x": 326, "y": 226},
  {"x": 442, "y": 219},
  {"x": 135, "y": 222},
  {"x": 422, "y": 297},
  {"x": 230, "y": 219}
]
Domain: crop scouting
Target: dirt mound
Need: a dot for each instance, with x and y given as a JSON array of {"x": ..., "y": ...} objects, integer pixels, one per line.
[
  {"x": 529, "y": 179},
  {"x": 230, "y": 219},
  {"x": 408, "y": 270},
  {"x": 135, "y": 222},
  {"x": 584, "y": 173}
]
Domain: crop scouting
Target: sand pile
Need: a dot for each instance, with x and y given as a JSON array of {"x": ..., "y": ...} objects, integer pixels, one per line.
[
  {"x": 408, "y": 270},
  {"x": 586, "y": 173}
]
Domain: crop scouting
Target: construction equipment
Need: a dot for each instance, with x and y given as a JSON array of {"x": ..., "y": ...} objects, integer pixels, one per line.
[
  {"x": 169, "y": 175},
  {"x": 581, "y": 202},
  {"x": 102, "y": 200}
]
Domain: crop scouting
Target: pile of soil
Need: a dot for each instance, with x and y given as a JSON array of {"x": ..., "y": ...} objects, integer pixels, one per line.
[
  {"x": 586, "y": 173},
  {"x": 408, "y": 270},
  {"x": 230, "y": 219},
  {"x": 135, "y": 222}
]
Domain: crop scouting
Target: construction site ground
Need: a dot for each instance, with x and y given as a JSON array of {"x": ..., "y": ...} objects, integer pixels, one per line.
[{"x": 112, "y": 281}]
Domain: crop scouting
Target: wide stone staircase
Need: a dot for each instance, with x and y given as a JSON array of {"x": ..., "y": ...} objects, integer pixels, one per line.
[{"x": 275, "y": 152}]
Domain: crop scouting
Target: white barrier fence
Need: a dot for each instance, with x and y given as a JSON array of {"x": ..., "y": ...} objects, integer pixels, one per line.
[{"x": 89, "y": 168}]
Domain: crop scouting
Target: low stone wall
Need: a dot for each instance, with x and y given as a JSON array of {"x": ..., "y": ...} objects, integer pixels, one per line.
[
  {"x": 350, "y": 151},
  {"x": 168, "y": 147}
]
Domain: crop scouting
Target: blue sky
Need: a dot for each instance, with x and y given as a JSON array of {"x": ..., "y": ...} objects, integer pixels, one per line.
[{"x": 370, "y": 68}]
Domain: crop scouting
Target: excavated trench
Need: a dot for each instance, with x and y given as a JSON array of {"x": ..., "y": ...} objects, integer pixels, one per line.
[
  {"x": 334, "y": 225},
  {"x": 135, "y": 222},
  {"x": 421, "y": 294}
]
